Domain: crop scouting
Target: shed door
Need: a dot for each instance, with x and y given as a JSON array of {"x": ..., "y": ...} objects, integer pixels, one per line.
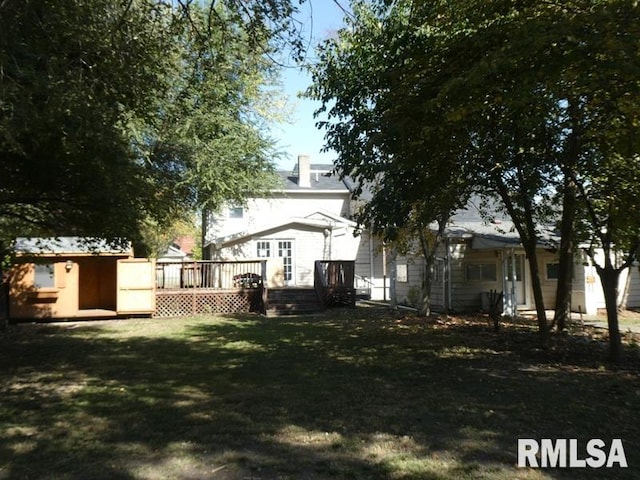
[{"x": 136, "y": 286}]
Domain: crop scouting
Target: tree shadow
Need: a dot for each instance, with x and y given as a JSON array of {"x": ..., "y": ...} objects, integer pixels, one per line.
[{"x": 320, "y": 397}]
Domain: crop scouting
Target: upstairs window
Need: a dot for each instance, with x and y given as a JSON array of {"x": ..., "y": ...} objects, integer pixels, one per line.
[{"x": 236, "y": 212}]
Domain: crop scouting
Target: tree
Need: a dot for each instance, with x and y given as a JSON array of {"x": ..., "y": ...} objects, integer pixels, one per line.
[
  {"x": 113, "y": 113},
  {"x": 363, "y": 88},
  {"x": 532, "y": 100}
]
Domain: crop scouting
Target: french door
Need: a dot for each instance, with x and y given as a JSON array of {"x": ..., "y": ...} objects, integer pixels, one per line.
[{"x": 285, "y": 251}]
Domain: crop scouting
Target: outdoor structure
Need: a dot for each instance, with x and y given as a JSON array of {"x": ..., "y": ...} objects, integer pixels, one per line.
[{"x": 71, "y": 277}]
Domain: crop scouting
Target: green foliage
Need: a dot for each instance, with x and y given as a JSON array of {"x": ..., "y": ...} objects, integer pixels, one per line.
[{"x": 113, "y": 113}]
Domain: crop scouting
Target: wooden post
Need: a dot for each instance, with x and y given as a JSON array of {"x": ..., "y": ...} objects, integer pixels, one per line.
[{"x": 265, "y": 297}]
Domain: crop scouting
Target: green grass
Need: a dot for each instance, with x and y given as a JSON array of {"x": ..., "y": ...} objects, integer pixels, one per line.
[{"x": 352, "y": 394}]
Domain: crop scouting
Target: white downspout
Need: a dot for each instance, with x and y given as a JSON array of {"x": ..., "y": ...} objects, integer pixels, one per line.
[{"x": 447, "y": 273}]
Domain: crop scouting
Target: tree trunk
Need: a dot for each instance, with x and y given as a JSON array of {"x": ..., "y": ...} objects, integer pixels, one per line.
[
  {"x": 204, "y": 225},
  {"x": 425, "y": 301},
  {"x": 429, "y": 247},
  {"x": 565, "y": 255},
  {"x": 536, "y": 286},
  {"x": 609, "y": 277}
]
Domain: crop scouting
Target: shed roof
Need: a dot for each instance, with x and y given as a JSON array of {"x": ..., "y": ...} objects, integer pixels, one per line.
[{"x": 70, "y": 246}]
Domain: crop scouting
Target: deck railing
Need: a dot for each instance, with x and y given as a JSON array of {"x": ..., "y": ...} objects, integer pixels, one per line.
[
  {"x": 216, "y": 275},
  {"x": 334, "y": 282},
  {"x": 205, "y": 287}
]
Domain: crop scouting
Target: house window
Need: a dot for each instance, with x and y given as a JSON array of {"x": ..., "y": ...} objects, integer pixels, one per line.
[
  {"x": 236, "y": 212},
  {"x": 264, "y": 249},
  {"x": 552, "y": 271},
  {"x": 438, "y": 272},
  {"x": 401, "y": 273},
  {"x": 481, "y": 272},
  {"x": 44, "y": 275}
]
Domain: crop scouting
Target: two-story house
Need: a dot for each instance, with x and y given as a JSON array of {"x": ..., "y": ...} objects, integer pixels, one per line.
[{"x": 307, "y": 218}]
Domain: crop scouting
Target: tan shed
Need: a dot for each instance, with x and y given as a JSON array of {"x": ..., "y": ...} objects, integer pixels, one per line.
[{"x": 71, "y": 277}]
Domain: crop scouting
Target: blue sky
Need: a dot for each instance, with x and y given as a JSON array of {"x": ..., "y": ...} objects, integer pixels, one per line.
[{"x": 320, "y": 18}]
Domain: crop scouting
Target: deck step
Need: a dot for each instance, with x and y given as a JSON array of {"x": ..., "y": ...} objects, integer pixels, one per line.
[{"x": 292, "y": 301}]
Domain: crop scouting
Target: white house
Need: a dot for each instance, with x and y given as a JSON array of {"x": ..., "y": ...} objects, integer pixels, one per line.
[{"x": 307, "y": 219}]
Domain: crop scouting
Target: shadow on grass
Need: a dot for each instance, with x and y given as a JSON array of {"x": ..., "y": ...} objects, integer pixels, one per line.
[{"x": 355, "y": 394}]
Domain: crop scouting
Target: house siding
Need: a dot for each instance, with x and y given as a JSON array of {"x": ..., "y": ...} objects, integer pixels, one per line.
[
  {"x": 409, "y": 292},
  {"x": 368, "y": 265},
  {"x": 280, "y": 207},
  {"x": 308, "y": 246},
  {"x": 632, "y": 290},
  {"x": 467, "y": 294}
]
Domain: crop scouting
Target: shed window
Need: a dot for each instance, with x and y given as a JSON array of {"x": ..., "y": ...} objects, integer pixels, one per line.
[
  {"x": 44, "y": 275},
  {"x": 481, "y": 272}
]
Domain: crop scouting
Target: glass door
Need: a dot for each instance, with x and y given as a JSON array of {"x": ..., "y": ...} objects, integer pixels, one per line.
[{"x": 285, "y": 251}]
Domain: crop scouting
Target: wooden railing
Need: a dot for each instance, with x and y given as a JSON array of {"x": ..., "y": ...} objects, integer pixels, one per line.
[
  {"x": 320, "y": 284},
  {"x": 216, "y": 275},
  {"x": 334, "y": 282}
]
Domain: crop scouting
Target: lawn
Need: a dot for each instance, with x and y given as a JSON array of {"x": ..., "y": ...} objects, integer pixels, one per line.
[{"x": 360, "y": 393}]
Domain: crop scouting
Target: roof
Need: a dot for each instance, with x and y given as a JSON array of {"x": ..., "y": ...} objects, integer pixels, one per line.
[
  {"x": 322, "y": 178},
  {"x": 185, "y": 243},
  {"x": 70, "y": 246},
  {"x": 489, "y": 226},
  {"x": 173, "y": 254}
]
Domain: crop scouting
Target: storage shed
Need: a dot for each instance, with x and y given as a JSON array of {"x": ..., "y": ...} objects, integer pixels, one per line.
[{"x": 71, "y": 277}]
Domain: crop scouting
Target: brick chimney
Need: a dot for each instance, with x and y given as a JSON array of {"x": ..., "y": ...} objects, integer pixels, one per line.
[{"x": 304, "y": 171}]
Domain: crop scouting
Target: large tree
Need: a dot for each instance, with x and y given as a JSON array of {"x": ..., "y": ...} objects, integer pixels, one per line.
[{"x": 114, "y": 112}]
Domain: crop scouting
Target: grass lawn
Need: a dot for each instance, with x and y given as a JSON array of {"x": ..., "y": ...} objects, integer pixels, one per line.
[{"x": 361, "y": 393}]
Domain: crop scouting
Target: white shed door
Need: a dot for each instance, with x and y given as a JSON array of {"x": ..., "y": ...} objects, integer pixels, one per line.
[{"x": 136, "y": 286}]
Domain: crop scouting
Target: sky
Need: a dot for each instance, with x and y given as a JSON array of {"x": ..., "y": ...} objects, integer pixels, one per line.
[{"x": 319, "y": 18}]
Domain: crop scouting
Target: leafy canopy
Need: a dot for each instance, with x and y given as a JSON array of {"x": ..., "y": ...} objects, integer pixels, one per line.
[{"x": 113, "y": 113}]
